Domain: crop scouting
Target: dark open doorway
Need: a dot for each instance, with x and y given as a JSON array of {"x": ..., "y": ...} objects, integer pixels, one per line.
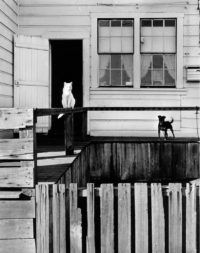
[{"x": 66, "y": 67}]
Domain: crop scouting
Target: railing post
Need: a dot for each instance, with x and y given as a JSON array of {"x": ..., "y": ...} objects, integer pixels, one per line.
[
  {"x": 84, "y": 125},
  {"x": 69, "y": 133}
]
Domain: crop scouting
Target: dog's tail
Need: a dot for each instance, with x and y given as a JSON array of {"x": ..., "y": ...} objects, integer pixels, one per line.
[{"x": 172, "y": 120}]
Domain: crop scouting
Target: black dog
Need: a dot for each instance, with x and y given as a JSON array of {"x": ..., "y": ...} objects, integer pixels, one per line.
[{"x": 164, "y": 126}]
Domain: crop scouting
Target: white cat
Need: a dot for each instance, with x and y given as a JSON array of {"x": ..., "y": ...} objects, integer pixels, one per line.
[{"x": 68, "y": 100}]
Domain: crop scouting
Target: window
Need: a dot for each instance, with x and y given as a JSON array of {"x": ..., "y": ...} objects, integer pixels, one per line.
[
  {"x": 115, "y": 49},
  {"x": 158, "y": 52}
]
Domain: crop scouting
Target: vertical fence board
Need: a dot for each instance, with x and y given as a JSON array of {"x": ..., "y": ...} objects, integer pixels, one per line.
[
  {"x": 141, "y": 217},
  {"x": 175, "y": 218},
  {"x": 75, "y": 221},
  {"x": 55, "y": 220},
  {"x": 158, "y": 219},
  {"x": 42, "y": 218},
  {"x": 107, "y": 218},
  {"x": 62, "y": 219},
  {"x": 124, "y": 218},
  {"x": 90, "y": 218},
  {"x": 191, "y": 218}
]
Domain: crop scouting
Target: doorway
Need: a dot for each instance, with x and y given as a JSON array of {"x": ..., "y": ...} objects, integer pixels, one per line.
[{"x": 66, "y": 66}]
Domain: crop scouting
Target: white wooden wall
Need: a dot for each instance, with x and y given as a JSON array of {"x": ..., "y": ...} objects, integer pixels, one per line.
[
  {"x": 60, "y": 17},
  {"x": 8, "y": 26}
]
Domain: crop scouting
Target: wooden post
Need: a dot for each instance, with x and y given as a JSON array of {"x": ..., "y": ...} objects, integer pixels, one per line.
[
  {"x": 69, "y": 133},
  {"x": 84, "y": 125},
  {"x": 124, "y": 218}
]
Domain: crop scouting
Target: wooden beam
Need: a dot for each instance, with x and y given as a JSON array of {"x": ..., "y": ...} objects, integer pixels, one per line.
[
  {"x": 15, "y": 118},
  {"x": 69, "y": 134},
  {"x": 17, "y": 246}
]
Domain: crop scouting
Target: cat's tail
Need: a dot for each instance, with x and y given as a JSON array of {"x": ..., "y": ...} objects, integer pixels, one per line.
[{"x": 60, "y": 115}]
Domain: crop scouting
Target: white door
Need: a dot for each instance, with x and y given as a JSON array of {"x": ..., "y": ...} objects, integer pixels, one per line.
[{"x": 31, "y": 74}]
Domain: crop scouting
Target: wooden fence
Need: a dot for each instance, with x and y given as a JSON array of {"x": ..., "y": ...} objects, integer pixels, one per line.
[{"x": 140, "y": 218}]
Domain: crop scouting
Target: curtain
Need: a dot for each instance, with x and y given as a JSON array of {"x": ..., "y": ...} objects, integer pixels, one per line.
[
  {"x": 169, "y": 62},
  {"x": 127, "y": 68},
  {"x": 146, "y": 61}
]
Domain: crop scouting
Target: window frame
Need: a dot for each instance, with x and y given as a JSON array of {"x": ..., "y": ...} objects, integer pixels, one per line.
[{"x": 94, "y": 83}]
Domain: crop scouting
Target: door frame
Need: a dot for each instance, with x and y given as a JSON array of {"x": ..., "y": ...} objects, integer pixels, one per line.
[{"x": 73, "y": 34}]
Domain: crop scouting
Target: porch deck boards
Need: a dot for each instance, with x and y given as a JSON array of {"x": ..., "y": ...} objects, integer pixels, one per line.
[{"x": 52, "y": 161}]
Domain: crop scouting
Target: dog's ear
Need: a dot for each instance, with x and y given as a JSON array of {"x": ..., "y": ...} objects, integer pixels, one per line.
[
  {"x": 159, "y": 116},
  {"x": 164, "y": 117}
]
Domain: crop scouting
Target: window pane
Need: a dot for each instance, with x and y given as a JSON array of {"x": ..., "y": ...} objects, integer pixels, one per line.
[
  {"x": 157, "y": 44},
  {"x": 157, "y": 22},
  {"x": 115, "y": 23},
  {"x": 170, "y": 77},
  {"x": 115, "y": 77},
  {"x": 157, "y": 61},
  {"x": 127, "y": 31},
  {"x": 115, "y": 61},
  {"x": 127, "y": 23},
  {"x": 157, "y": 77},
  {"x": 127, "y": 45},
  {"x": 127, "y": 69},
  {"x": 104, "y": 22},
  {"x": 170, "y": 44},
  {"x": 146, "y": 45},
  {"x": 146, "y": 65},
  {"x": 104, "y": 77},
  {"x": 104, "y": 61},
  {"x": 104, "y": 31},
  {"x": 146, "y": 22},
  {"x": 170, "y": 22},
  {"x": 104, "y": 45},
  {"x": 116, "y": 44},
  {"x": 169, "y": 61}
]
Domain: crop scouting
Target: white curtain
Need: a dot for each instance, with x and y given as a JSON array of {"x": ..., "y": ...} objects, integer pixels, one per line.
[
  {"x": 145, "y": 64},
  {"x": 169, "y": 61},
  {"x": 127, "y": 63}
]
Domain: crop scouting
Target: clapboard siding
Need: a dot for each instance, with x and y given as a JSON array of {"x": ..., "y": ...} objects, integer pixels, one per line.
[
  {"x": 39, "y": 17},
  {"x": 8, "y": 27}
]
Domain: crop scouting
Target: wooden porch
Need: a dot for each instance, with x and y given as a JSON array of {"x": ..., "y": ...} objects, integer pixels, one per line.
[{"x": 49, "y": 181}]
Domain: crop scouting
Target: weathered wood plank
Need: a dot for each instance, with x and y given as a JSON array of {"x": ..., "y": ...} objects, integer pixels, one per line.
[
  {"x": 16, "y": 228},
  {"x": 17, "y": 246},
  {"x": 15, "y": 118},
  {"x": 175, "y": 218},
  {"x": 90, "y": 219},
  {"x": 42, "y": 218},
  {"x": 10, "y": 194},
  {"x": 13, "y": 148},
  {"x": 75, "y": 221},
  {"x": 141, "y": 217},
  {"x": 56, "y": 223},
  {"x": 107, "y": 218},
  {"x": 158, "y": 219},
  {"x": 16, "y": 177},
  {"x": 191, "y": 218},
  {"x": 14, "y": 209},
  {"x": 62, "y": 219},
  {"x": 124, "y": 218}
]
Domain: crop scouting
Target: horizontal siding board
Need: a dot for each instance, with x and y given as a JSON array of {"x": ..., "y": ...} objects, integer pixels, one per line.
[
  {"x": 12, "y": 4},
  {"x": 5, "y": 32},
  {"x": 6, "y": 101},
  {"x": 6, "y": 90},
  {"x": 16, "y": 177},
  {"x": 6, "y": 55},
  {"x": 15, "y": 147},
  {"x": 6, "y": 44},
  {"x": 14, "y": 119},
  {"x": 191, "y": 19},
  {"x": 16, "y": 228},
  {"x": 52, "y": 21},
  {"x": 17, "y": 246},
  {"x": 9, "y": 11},
  {"x": 6, "y": 66},
  {"x": 191, "y": 41},
  {"x": 8, "y": 22},
  {"x": 17, "y": 209}
]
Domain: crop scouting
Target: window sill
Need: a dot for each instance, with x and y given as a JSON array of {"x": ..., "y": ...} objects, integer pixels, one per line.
[{"x": 131, "y": 90}]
